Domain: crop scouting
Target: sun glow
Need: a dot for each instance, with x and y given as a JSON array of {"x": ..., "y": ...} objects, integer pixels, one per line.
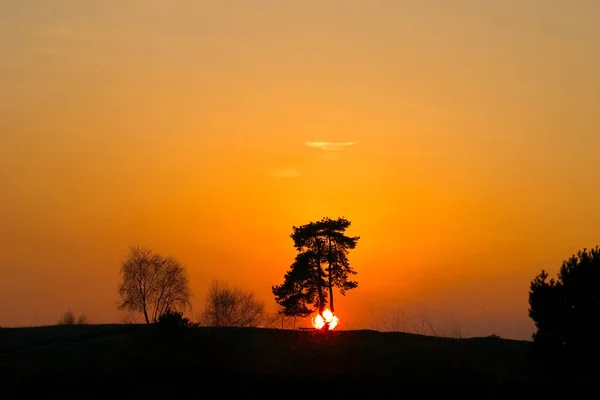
[{"x": 328, "y": 320}]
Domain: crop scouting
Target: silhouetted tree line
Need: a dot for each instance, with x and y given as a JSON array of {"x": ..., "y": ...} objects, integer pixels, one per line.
[
  {"x": 157, "y": 287},
  {"x": 566, "y": 309}
]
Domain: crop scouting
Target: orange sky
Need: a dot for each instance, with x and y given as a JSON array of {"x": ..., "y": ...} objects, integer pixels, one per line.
[{"x": 183, "y": 126}]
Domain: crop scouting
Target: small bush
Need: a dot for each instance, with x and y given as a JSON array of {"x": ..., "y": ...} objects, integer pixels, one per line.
[
  {"x": 69, "y": 318},
  {"x": 174, "y": 319}
]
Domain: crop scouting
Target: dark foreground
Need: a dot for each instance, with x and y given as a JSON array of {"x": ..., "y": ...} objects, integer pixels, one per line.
[{"x": 136, "y": 361}]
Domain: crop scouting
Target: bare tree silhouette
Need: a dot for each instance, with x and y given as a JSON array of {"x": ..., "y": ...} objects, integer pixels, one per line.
[
  {"x": 152, "y": 284},
  {"x": 226, "y": 306}
]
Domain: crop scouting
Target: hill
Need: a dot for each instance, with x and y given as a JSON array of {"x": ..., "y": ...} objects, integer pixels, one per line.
[{"x": 140, "y": 361}]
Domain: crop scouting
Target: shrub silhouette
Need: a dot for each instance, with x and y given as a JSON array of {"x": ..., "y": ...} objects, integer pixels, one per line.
[
  {"x": 566, "y": 311},
  {"x": 69, "y": 318},
  {"x": 174, "y": 319}
]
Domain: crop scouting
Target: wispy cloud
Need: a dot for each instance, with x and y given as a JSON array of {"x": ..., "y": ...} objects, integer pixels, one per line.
[
  {"x": 284, "y": 173},
  {"x": 330, "y": 146}
]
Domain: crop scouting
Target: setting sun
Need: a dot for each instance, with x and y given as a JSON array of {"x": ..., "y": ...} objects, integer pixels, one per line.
[{"x": 328, "y": 319}]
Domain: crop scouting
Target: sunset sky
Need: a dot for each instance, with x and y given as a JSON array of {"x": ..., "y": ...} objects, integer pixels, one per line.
[{"x": 460, "y": 138}]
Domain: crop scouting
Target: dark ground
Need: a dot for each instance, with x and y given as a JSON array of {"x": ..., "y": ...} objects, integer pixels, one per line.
[{"x": 138, "y": 361}]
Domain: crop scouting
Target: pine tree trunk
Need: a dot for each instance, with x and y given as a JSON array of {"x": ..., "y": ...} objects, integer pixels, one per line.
[
  {"x": 319, "y": 287},
  {"x": 331, "y": 298},
  {"x": 321, "y": 301},
  {"x": 331, "y": 307}
]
